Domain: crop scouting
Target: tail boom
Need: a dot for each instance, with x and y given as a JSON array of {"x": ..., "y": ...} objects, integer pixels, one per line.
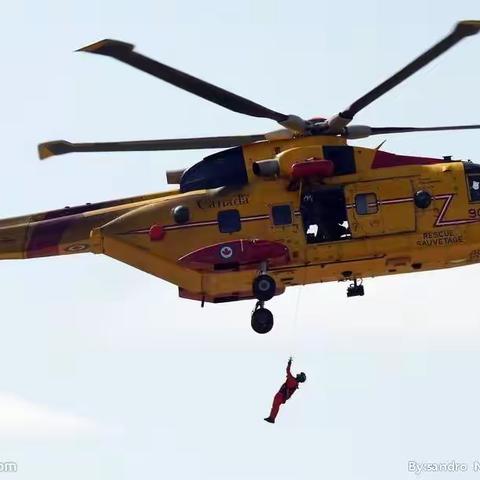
[{"x": 61, "y": 232}]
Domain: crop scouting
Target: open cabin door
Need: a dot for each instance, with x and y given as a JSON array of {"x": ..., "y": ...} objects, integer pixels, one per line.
[{"x": 380, "y": 207}]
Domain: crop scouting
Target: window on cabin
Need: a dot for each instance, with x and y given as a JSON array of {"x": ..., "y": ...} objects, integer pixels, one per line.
[
  {"x": 366, "y": 203},
  {"x": 282, "y": 215},
  {"x": 229, "y": 221},
  {"x": 474, "y": 187}
]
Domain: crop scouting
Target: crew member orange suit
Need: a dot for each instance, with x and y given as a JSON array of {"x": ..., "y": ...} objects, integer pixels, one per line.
[{"x": 285, "y": 392}]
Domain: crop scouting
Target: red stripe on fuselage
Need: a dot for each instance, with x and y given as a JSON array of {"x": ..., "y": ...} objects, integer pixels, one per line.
[
  {"x": 44, "y": 237},
  {"x": 386, "y": 160}
]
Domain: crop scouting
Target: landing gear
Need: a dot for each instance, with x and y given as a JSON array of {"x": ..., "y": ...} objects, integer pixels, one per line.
[
  {"x": 264, "y": 287},
  {"x": 355, "y": 289},
  {"x": 262, "y": 319}
]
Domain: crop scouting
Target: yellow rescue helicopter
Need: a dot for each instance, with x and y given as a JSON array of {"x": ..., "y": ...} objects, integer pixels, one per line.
[{"x": 290, "y": 207}]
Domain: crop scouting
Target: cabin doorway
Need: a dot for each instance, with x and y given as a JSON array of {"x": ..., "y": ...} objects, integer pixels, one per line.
[{"x": 324, "y": 214}]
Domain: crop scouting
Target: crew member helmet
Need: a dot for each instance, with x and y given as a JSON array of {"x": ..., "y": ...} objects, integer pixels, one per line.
[{"x": 301, "y": 377}]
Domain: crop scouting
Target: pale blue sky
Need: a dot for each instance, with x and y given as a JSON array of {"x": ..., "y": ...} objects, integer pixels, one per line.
[{"x": 105, "y": 373}]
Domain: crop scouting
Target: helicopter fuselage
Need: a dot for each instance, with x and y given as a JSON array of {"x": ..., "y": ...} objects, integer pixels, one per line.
[{"x": 376, "y": 214}]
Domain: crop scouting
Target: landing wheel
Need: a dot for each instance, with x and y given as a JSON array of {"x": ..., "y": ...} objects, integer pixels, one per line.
[
  {"x": 264, "y": 287},
  {"x": 262, "y": 320}
]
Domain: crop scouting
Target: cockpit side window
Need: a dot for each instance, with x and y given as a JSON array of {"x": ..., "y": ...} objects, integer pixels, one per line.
[{"x": 474, "y": 187}]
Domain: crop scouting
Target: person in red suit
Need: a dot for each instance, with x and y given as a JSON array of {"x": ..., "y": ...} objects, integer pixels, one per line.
[{"x": 285, "y": 392}]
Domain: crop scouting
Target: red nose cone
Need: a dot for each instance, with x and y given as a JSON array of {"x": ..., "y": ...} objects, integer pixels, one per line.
[{"x": 157, "y": 232}]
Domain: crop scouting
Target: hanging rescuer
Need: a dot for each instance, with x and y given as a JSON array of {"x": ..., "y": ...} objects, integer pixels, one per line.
[{"x": 285, "y": 392}]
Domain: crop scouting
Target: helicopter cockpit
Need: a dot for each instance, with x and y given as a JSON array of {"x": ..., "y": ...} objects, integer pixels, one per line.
[{"x": 472, "y": 172}]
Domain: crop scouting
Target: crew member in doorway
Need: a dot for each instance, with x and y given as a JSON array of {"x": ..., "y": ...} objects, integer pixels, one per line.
[
  {"x": 285, "y": 392},
  {"x": 325, "y": 211}
]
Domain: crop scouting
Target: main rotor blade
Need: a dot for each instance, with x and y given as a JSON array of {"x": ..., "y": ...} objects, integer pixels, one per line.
[
  {"x": 125, "y": 53},
  {"x": 364, "y": 131},
  {"x": 59, "y": 147},
  {"x": 388, "y": 130},
  {"x": 461, "y": 30}
]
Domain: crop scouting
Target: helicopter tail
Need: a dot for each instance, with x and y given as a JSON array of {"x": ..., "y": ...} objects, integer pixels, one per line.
[
  {"x": 57, "y": 232},
  {"x": 31, "y": 237},
  {"x": 12, "y": 238}
]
